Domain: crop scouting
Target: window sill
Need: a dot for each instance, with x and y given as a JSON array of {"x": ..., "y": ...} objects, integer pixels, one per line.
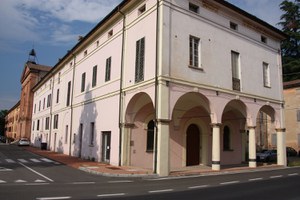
[
  {"x": 149, "y": 151},
  {"x": 196, "y": 68},
  {"x": 269, "y": 87}
]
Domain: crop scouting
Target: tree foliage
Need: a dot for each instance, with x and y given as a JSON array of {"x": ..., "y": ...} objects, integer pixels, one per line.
[
  {"x": 290, "y": 22},
  {"x": 3, "y": 113}
]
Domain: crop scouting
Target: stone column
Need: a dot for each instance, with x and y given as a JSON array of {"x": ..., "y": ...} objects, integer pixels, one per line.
[
  {"x": 244, "y": 145},
  {"x": 163, "y": 157},
  {"x": 252, "y": 147},
  {"x": 216, "y": 147},
  {"x": 281, "y": 147}
]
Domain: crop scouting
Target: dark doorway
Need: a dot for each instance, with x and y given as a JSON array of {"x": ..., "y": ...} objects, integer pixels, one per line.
[
  {"x": 106, "y": 146},
  {"x": 192, "y": 145}
]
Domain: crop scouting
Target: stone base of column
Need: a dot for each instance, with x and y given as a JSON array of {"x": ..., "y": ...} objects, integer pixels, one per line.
[
  {"x": 216, "y": 166},
  {"x": 252, "y": 163}
]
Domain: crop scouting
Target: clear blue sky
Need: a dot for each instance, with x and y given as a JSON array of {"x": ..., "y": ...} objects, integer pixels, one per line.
[{"x": 53, "y": 26}]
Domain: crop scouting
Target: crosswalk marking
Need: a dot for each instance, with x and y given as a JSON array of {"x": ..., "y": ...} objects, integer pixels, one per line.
[
  {"x": 23, "y": 160},
  {"x": 47, "y": 160},
  {"x": 35, "y": 160},
  {"x": 20, "y": 181},
  {"x": 10, "y": 161}
]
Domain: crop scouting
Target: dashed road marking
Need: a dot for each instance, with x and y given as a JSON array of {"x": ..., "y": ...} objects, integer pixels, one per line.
[
  {"x": 198, "y": 186},
  {"x": 1, "y": 181},
  {"x": 229, "y": 182},
  {"x": 121, "y": 181},
  {"x": 10, "y": 161},
  {"x": 52, "y": 198},
  {"x": 294, "y": 174},
  {"x": 278, "y": 176},
  {"x": 83, "y": 183},
  {"x": 20, "y": 181},
  {"x": 111, "y": 195},
  {"x": 47, "y": 160},
  {"x": 161, "y": 191},
  {"x": 22, "y": 160},
  {"x": 256, "y": 179},
  {"x": 35, "y": 160}
]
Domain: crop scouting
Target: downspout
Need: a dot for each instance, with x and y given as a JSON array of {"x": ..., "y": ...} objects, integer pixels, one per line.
[
  {"x": 156, "y": 86},
  {"x": 51, "y": 106},
  {"x": 71, "y": 104},
  {"x": 121, "y": 88}
]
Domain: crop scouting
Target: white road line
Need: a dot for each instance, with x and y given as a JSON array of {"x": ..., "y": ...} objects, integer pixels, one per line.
[
  {"x": 2, "y": 169},
  {"x": 33, "y": 184},
  {"x": 47, "y": 160},
  {"x": 35, "y": 160},
  {"x": 255, "y": 179},
  {"x": 278, "y": 176},
  {"x": 230, "y": 182},
  {"x": 160, "y": 191},
  {"x": 45, "y": 177},
  {"x": 198, "y": 186},
  {"x": 83, "y": 183},
  {"x": 20, "y": 181},
  {"x": 294, "y": 174},
  {"x": 22, "y": 160},
  {"x": 10, "y": 161},
  {"x": 52, "y": 198},
  {"x": 1, "y": 181},
  {"x": 121, "y": 181},
  {"x": 111, "y": 195}
]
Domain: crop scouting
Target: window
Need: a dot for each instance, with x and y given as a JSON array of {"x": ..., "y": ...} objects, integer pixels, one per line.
[
  {"x": 298, "y": 140},
  {"x": 44, "y": 103},
  {"x": 263, "y": 39},
  {"x": 107, "y": 70},
  {"x": 142, "y": 9},
  {"x": 39, "y": 105},
  {"x": 68, "y": 93},
  {"x": 85, "y": 53},
  {"x": 110, "y": 33},
  {"x": 83, "y": 82},
  {"x": 47, "y": 123},
  {"x": 66, "y": 134},
  {"x": 58, "y": 79},
  {"x": 194, "y": 8},
  {"x": 150, "y": 136},
  {"x": 33, "y": 125},
  {"x": 94, "y": 80},
  {"x": 92, "y": 133},
  {"x": 38, "y": 125},
  {"x": 298, "y": 115},
  {"x": 266, "y": 74},
  {"x": 194, "y": 51},
  {"x": 226, "y": 139},
  {"x": 139, "y": 60},
  {"x": 233, "y": 26},
  {"x": 57, "y": 96},
  {"x": 55, "y": 123},
  {"x": 49, "y": 101},
  {"x": 34, "y": 108},
  {"x": 235, "y": 65},
  {"x": 274, "y": 139}
]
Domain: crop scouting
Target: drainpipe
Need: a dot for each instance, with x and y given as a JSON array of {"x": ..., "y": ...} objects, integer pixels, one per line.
[
  {"x": 121, "y": 87},
  {"x": 156, "y": 86},
  {"x": 50, "y": 120},
  {"x": 71, "y": 104}
]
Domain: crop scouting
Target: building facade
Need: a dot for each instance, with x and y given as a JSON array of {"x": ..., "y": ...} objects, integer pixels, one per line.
[
  {"x": 164, "y": 85},
  {"x": 12, "y": 121},
  {"x": 292, "y": 113}
]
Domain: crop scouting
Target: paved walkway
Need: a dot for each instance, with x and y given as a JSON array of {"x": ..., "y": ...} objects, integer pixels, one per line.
[{"x": 125, "y": 171}]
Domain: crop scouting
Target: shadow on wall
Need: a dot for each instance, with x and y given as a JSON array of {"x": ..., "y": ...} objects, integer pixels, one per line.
[{"x": 86, "y": 140}]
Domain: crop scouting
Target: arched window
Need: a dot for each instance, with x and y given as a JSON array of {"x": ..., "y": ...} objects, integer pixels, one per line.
[
  {"x": 226, "y": 139},
  {"x": 150, "y": 136}
]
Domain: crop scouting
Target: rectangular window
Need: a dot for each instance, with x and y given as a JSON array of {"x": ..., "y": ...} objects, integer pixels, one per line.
[
  {"x": 233, "y": 26},
  {"x": 39, "y": 105},
  {"x": 47, "y": 123},
  {"x": 33, "y": 125},
  {"x": 85, "y": 53},
  {"x": 266, "y": 74},
  {"x": 274, "y": 139},
  {"x": 68, "y": 93},
  {"x": 139, "y": 60},
  {"x": 57, "y": 96},
  {"x": 83, "y": 82},
  {"x": 194, "y": 8},
  {"x": 55, "y": 123},
  {"x": 49, "y": 101},
  {"x": 263, "y": 39},
  {"x": 66, "y": 134},
  {"x": 92, "y": 133},
  {"x": 38, "y": 125},
  {"x": 94, "y": 80},
  {"x": 298, "y": 140},
  {"x": 298, "y": 115},
  {"x": 44, "y": 103},
  {"x": 194, "y": 51},
  {"x": 34, "y": 108},
  {"x": 108, "y": 69},
  {"x": 235, "y": 65}
]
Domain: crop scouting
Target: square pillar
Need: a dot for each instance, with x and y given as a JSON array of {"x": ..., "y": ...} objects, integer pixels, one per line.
[
  {"x": 252, "y": 147},
  {"x": 125, "y": 146},
  {"x": 281, "y": 147},
  {"x": 216, "y": 147},
  {"x": 163, "y": 143}
]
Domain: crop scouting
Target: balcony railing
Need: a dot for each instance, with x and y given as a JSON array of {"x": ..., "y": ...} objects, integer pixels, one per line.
[{"x": 236, "y": 84}]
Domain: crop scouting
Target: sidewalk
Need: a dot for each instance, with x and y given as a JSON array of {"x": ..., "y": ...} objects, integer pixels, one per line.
[{"x": 125, "y": 171}]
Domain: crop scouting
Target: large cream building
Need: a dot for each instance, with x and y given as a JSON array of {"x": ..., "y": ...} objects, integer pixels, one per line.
[{"x": 165, "y": 84}]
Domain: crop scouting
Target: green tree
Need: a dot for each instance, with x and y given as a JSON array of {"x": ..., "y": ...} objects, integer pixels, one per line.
[
  {"x": 290, "y": 22},
  {"x": 3, "y": 113}
]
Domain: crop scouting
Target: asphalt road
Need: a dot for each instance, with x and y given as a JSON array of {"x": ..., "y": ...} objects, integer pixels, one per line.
[{"x": 47, "y": 180}]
